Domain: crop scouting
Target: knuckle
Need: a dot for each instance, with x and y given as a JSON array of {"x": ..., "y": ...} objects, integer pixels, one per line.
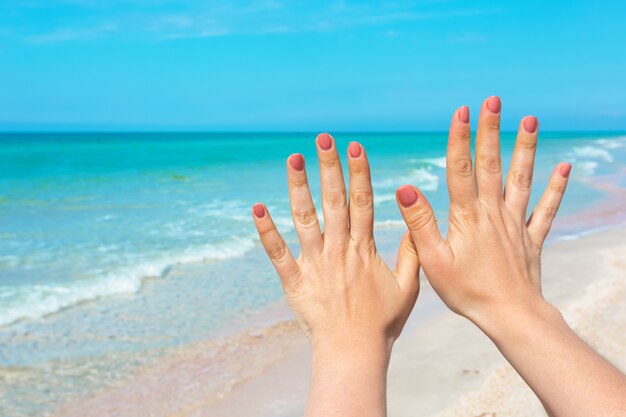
[
  {"x": 277, "y": 252},
  {"x": 265, "y": 229},
  {"x": 522, "y": 180},
  {"x": 527, "y": 142},
  {"x": 463, "y": 219},
  {"x": 549, "y": 213},
  {"x": 366, "y": 247},
  {"x": 362, "y": 200},
  {"x": 462, "y": 132},
  {"x": 492, "y": 124},
  {"x": 305, "y": 217},
  {"x": 464, "y": 215},
  {"x": 490, "y": 163},
  {"x": 357, "y": 168},
  {"x": 299, "y": 180},
  {"x": 419, "y": 219},
  {"x": 463, "y": 167},
  {"x": 329, "y": 162},
  {"x": 558, "y": 187},
  {"x": 335, "y": 199}
]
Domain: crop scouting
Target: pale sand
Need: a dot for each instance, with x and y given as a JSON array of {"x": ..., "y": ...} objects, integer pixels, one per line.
[
  {"x": 441, "y": 367},
  {"x": 449, "y": 368}
]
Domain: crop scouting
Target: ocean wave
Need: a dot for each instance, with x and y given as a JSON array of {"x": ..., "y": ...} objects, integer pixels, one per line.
[
  {"x": 282, "y": 222},
  {"x": 37, "y": 301},
  {"x": 592, "y": 152},
  {"x": 222, "y": 208},
  {"x": 9, "y": 261},
  {"x": 437, "y": 162},
  {"x": 612, "y": 143},
  {"x": 586, "y": 167},
  {"x": 384, "y": 198},
  {"x": 582, "y": 233},
  {"x": 389, "y": 224},
  {"x": 423, "y": 178}
]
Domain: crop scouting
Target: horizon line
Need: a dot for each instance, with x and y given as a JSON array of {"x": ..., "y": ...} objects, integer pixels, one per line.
[{"x": 262, "y": 131}]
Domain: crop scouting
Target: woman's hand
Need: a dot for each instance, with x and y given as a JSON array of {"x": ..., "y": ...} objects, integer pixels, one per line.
[
  {"x": 488, "y": 269},
  {"x": 350, "y": 304},
  {"x": 490, "y": 261}
]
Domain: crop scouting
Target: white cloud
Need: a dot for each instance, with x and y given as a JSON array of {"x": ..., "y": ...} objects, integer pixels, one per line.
[
  {"x": 72, "y": 34},
  {"x": 176, "y": 19}
]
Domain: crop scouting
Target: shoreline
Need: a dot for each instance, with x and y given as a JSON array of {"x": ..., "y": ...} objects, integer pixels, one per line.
[
  {"x": 271, "y": 363},
  {"x": 277, "y": 359}
]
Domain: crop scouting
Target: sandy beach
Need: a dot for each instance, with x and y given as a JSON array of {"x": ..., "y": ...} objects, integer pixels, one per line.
[
  {"x": 139, "y": 141},
  {"x": 441, "y": 366}
]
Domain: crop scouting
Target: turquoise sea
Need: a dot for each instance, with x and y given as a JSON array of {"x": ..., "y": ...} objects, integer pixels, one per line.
[{"x": 117, "y": 247}]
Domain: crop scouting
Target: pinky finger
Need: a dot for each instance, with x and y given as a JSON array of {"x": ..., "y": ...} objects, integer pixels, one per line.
[
  {"x": 275, "y": 246},
  {"x": 542, "y": 218}
]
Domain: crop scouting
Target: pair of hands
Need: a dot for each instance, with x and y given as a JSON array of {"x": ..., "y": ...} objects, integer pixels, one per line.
[
  {"x": 353, "y": 306},
  {"x": 340, "y": 289}
]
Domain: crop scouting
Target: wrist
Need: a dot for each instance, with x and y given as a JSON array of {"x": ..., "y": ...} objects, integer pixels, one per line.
[
  {"x": 374, "y": 350},
  {"x": 348, "y": 376},
  {"x": 510, "y": 322}
]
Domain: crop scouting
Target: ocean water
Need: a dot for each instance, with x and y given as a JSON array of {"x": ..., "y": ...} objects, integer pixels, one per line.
[{"x": 114, "y": 247}]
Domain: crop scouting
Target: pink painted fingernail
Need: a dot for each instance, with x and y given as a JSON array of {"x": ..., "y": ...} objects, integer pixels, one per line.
[
  {"x": 464, "y": 114},
  {"x": 406, "y": 195},
  {"x": 354, "y": 149},
  {"x": 296, "y": 161},
  {"x": 565, "y": 169},
  {"x": 530, "y": 124},
  {"x": 325, "y": 141},
  {"x": 259, "y": 210},
  {"x": 493, "y": 104}
]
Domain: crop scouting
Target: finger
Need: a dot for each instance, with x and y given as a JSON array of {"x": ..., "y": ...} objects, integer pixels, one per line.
[
  {"x": 459, "y": 172},
  {"x": 302, "y": 207},
  {"x": 420, "y": 219},
  {"x": 275, "y": 246},
  {"x": 488, "y": 161},
  {"x": 520, "y": 177},
  {"x": 541, "y": 220},
  {"x": 408, "y": 264},
  {"x": 333, "y": 191},
  {"x": 361, "y": 195}
]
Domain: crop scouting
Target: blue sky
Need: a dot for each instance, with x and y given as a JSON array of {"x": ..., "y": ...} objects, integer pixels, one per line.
[{"x": 308, "y": 65}]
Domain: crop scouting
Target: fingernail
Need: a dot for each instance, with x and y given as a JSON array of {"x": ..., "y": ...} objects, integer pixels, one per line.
[
  {"x": 406, "y": 195},
  {"x": 354, "y": 149},
  {"x": 296, "y": 161},
  {"x": 259, "y": 210},
  {"x": 494, "y": 104},
  {"x": 325, "y": 141},
  {"x": 530, "y": 124},
  {"x": 565, "y": 169},
  {"x": 464, "y": 114}
]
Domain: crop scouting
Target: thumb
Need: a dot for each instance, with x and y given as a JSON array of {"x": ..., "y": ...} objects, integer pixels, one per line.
[
  {"x": 408, "y": 264},
  {"x": 420, "y": 219}
]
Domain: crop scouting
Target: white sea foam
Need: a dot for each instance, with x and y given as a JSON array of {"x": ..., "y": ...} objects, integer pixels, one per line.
[
  {"x": 612, "y": 143},
  {"x": 420, "y": 177},
  {"x": 384, "y": 198},
  {"x": 389, "y": 224},
  {"x": 36, "y": 301},
  {"x": 592, "y": 152},
  {"x": 105, "y": 218},
  {"x": 587, "y": 232},
  {"x": 9, "y": 261},
  {"x": 437, "y": 162},
  {"x": 586, "y": 167},
  {"x": 221, "y": 208}
]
